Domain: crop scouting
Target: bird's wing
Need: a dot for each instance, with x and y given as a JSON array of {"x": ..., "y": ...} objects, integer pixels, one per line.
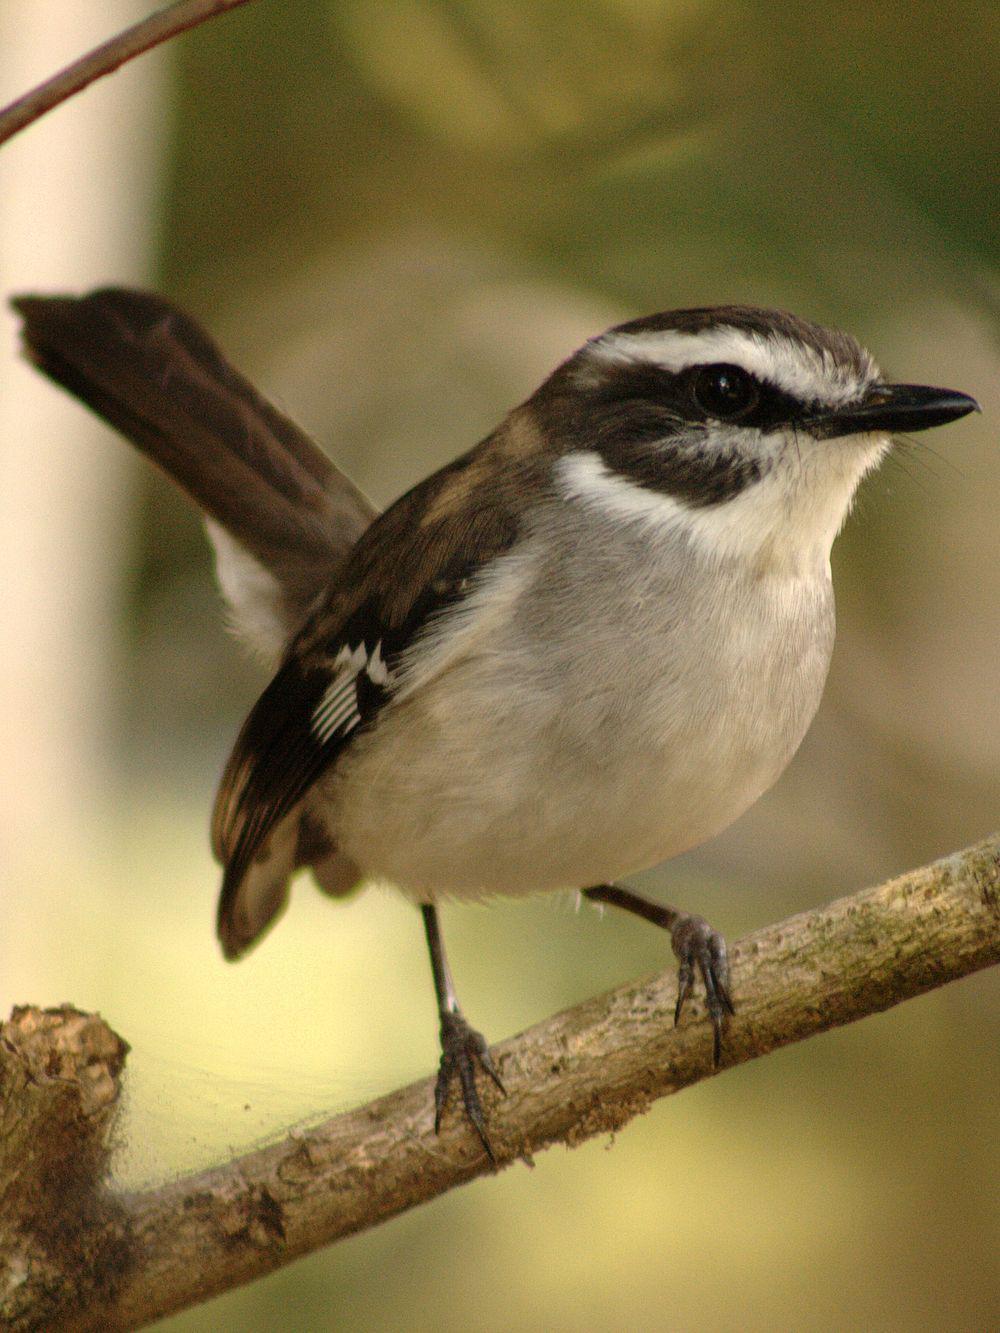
[{"x": 417, "y": 560}]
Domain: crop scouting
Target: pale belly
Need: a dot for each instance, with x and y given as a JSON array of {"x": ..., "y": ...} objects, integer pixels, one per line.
[{"x": 498, "y": 778}]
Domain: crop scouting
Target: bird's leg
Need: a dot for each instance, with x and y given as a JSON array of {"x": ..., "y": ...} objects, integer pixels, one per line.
[
  {"x": 695, "y": 944},
  {"x": 462, "y": 1047}
]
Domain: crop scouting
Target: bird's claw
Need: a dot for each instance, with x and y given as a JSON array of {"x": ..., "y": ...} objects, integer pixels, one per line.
[
  {"x": 696, "y": 944},
  {"x": 462, "y": 1049}
]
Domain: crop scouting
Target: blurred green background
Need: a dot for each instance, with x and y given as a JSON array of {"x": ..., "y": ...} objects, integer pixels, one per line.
[{"x": 397, "y": 218}]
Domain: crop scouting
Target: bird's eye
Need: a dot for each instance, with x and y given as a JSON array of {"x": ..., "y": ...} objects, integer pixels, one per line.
[{"x": 724, "y": 391}]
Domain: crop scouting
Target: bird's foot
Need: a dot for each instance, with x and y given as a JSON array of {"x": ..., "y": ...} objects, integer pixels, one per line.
[
  {"x": 462, "y": 1049},
  {"x": 697, "y": 945}
]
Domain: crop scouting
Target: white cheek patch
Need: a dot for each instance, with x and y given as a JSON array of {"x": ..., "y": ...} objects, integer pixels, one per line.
[
  {"x": 796, "y": 367},
  {"x": 586, "y": 477},
  {"x": 785, "y": 523}
]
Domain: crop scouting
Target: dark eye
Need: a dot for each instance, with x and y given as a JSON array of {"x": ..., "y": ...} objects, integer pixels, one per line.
[{"x": 724, "y": 391}]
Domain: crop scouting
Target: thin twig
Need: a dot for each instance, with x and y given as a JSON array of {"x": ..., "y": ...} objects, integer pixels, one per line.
[{"x": 108, "y": 57}]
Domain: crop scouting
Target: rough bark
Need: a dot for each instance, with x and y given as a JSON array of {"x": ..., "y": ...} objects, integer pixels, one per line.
[
  {"x": 76, "y": 1255},
  {"x": 64, "y": 1239}
]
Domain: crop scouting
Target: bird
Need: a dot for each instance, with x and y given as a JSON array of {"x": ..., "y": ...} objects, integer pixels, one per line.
[{"x": 586, "y": 645}]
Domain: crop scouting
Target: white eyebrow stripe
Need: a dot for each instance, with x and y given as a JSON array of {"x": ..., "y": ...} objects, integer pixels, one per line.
[{"x": 795, "y": 367}]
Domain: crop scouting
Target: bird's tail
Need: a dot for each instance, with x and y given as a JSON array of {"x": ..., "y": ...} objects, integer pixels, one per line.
[{"x": 156, "y": 376}]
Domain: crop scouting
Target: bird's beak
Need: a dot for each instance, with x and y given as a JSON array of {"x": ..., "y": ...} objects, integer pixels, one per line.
[{"x": 895, "y": 407}]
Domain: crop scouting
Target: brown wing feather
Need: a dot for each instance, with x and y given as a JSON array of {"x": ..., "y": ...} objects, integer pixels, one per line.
[{"x": 413, "y": 561}]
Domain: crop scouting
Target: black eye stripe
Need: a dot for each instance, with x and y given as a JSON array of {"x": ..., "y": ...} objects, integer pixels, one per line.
[
  {"x": 698, "y": 478},
  {"x": 647, "y": 424},
  {"x": 673, "y": 395}
]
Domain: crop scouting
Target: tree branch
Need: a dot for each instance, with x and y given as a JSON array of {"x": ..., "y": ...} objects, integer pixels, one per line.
[
  {"x": 106, "y": 58},
  {"x": 134, "y": 1258}
]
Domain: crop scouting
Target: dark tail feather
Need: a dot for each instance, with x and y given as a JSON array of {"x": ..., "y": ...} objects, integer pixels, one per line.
[{"x": 158, "y": 378}]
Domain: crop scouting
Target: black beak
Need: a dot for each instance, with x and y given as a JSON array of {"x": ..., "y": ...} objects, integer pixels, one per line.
[{"x": 892, "y": 408}]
